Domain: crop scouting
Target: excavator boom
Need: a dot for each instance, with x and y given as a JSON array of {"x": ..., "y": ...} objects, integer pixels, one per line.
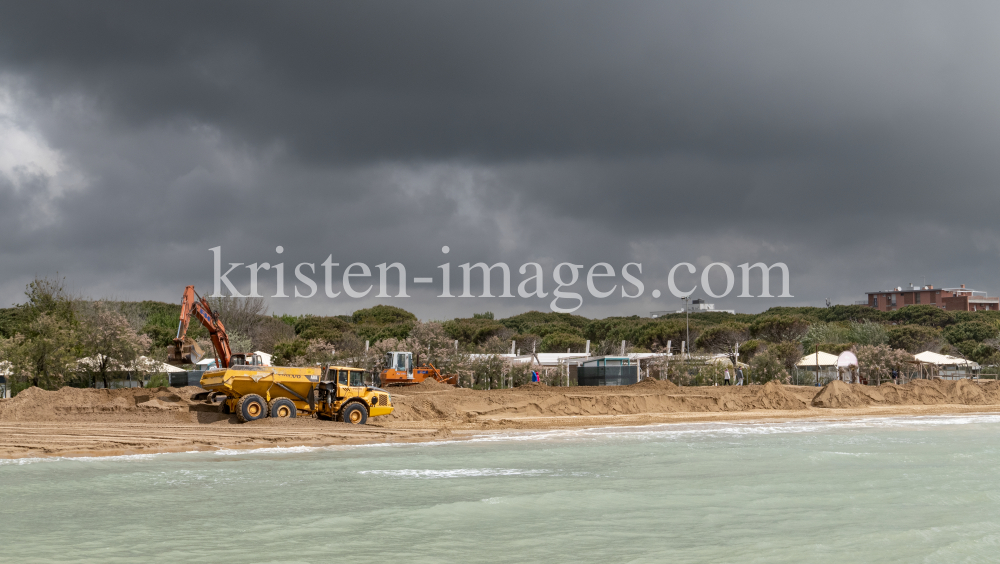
[{"x": 184, "y": 350}]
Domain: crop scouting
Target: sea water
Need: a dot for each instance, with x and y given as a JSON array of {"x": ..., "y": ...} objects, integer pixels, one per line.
[{"x": 870, "y": 490}]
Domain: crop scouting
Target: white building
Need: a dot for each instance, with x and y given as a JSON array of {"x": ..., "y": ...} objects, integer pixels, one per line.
[{"x": 696, "y": 306}]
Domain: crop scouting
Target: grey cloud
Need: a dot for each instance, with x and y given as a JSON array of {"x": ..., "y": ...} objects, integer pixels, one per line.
[{"x": 856, "y": 141}]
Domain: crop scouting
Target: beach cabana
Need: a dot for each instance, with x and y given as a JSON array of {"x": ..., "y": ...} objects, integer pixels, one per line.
[
  {"x": 945, "y": 366},
  {"x": 821, "y": 364}
]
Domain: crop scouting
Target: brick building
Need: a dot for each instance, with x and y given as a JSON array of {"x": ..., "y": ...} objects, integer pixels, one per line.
[{"x": 950, "y": 299}]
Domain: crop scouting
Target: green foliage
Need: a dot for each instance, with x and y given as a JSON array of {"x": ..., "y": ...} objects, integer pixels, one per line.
[
  {"x": 749, "y": 348},
  {"x": 766, "y": 366},
  {"x": 161, "y": 320},
  {"x": 9, "y": 322},
  {"x": 484, "y": 315},
  {"x": 810, "y": 314},
  {"x": 722, "y": 338},
  {"x": 286, "y": 352},
  {"x": 867, "y": 333},
  {"x": 158, "y": 381},
  {"x": 931, "y": 316},
  {"x": 383, "y": 322},
  {"x": 383, "y": 315},
  {"x": 787, "y": 353},
  {"x": 779, "y": 328},
  {"x": 559, "y": 342},
  {"x": 975, "y": 331},
  {"x": 329, "y": 329},
  {"x": 966, "y": 349},
  {"x": 476, "y": 330},
  {"x": 289, "y": 320},
  {"x": 851, "y": 313},
  {"x": 526, "y": 322},
  {"x": 655, "y": 336},
  {"x": 648, "y": 333},
  {"x": 914, "y": 338},
  {"x": 833, "y": 348},
  {"x": 823, "y": 333}
]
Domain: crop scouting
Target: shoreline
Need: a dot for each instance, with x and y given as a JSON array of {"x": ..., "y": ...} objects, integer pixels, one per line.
[{"x": 39, "y": 440}]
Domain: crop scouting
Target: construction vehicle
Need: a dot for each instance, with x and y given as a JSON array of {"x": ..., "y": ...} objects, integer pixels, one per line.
[
  {"x": 253, "y": 391},
  {"x": 330, "y": 392},
  {"x": 186, "y": 351},
  {"x": 400, "y": 371}
]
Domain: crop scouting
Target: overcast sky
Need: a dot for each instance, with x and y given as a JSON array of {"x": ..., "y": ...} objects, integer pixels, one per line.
[{"x": 857, "y": 142}]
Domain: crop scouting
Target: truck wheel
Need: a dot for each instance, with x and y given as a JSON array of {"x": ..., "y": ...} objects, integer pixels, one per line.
[
  {"x": 251, "y": 407},
  {"x": 283, "y": 408},
  {"x": 224, "y": 408},
  {"x": 354, "y": 413}
]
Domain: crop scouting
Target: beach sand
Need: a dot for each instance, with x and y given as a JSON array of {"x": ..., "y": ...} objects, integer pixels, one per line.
[{"x": 89, "y": 422}]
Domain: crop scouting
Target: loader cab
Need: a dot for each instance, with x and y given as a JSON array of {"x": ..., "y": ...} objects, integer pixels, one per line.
[
  {"x": 345, "y": 376},
  {"x": 401, "y": 362}
]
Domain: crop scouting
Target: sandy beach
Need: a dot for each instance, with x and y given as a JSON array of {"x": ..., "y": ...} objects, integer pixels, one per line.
[{"x": 88, "y": 422}]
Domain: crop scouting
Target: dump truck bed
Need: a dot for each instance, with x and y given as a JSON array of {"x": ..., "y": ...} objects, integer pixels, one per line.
[{"x": 296, "y": 384}]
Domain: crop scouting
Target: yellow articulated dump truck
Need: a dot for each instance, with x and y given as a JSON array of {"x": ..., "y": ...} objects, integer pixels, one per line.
[{"x": 330, "y": 392}]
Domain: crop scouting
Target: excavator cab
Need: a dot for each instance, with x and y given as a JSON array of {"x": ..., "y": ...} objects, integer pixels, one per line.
[
  {"x": 401, "y": 363},
  {"x": 243, "y": 359}
]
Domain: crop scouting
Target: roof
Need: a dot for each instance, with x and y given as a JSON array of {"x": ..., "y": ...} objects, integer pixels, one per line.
[
  {"x": 825, "y": 359},
  {"x": 143, "y": 363},
  {"x": 724, "y": 360},
  {"x": 928, "y": 357}
]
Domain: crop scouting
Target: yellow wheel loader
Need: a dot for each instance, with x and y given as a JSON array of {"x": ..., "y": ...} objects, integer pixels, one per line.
[{"x": 330, "y": 392}]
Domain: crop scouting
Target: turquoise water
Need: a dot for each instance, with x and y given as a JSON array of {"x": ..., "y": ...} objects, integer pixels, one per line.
[{"x": 878, "y": 490}]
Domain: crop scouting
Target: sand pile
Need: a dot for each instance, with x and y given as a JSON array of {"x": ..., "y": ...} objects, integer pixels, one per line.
[
  {"x": 124, "y": 404},
  {"x": 653, "y": 383},
  {"x": 839, "y": 394},
  {"x": 773, "y": 396},
  {"x": 428, "y": 385},
  {"x": 433, "y": 402}
]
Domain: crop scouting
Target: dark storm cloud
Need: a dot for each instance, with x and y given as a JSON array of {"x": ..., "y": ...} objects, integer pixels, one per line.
[{"x": 831, "y": 137}]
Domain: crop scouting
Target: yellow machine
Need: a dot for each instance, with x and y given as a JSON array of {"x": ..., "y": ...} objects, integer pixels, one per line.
[
  {"x": 343, "y": 396},
  {"x": 331, "y": 392}
]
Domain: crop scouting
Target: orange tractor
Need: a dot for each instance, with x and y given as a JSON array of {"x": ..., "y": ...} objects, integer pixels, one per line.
[{"x": 400, "y": 371}]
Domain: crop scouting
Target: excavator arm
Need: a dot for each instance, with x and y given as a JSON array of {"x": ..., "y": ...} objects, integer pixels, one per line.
[{"x": 186, "y": 352}]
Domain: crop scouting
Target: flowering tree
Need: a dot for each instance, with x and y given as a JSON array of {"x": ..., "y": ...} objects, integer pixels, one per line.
[
  {"x": 110, "y": 343},
  {"x": 880, "y": 360}
]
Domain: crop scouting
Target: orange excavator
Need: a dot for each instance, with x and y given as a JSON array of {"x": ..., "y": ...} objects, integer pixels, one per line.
[
  {"x": 400, "y": 371},
  {"x": 186, "y": 351}
]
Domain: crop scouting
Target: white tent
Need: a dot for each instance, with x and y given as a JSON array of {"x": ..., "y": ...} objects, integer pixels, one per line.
[
  {"x": 847, "y": 359},
  {"x": 142, "y": 364},
  {"x": 157, "y": 366},
  {"x": 928, "y": 357},
  {"x": 824, "y": 360},
  {"x": 946, "y": 366}
]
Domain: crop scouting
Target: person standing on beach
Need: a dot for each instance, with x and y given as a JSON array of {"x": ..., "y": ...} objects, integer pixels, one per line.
[
  {"x": 739, "y": 376},
  {"x": 725, "y": 379}
]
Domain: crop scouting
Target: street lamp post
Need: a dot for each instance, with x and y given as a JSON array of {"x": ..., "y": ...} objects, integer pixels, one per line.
[{"x": 687, "y": 324}]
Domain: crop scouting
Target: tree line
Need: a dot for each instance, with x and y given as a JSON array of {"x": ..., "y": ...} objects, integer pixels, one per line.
[{"x": 44, "y": 338}]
